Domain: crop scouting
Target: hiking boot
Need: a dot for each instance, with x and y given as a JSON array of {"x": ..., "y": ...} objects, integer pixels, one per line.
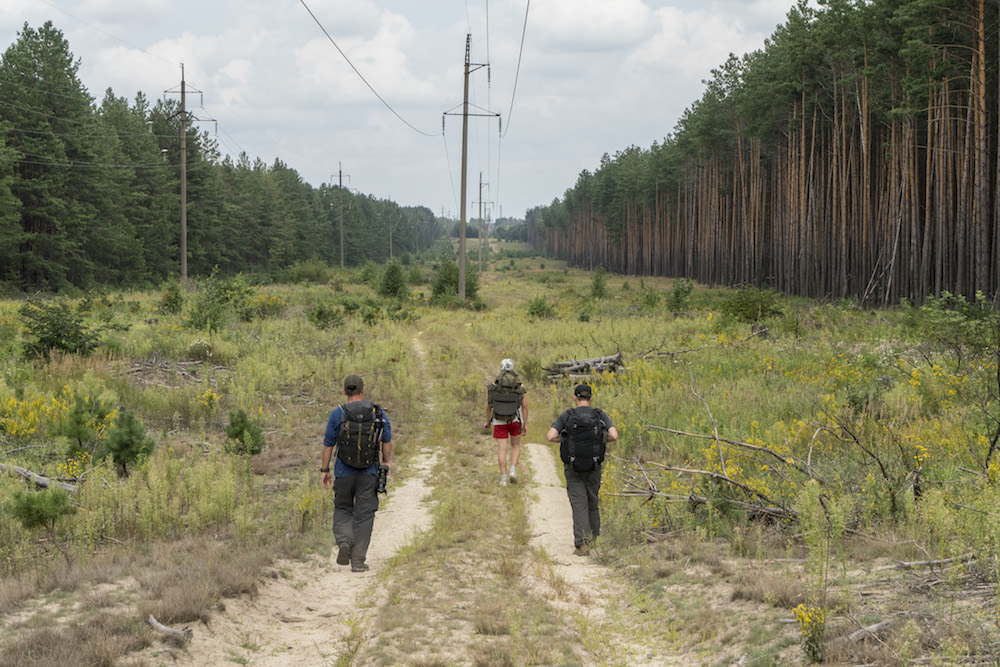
[
  {"x": 513, "y": 475},
  {"x": 359, "y": 567},
  {"x": 582, "y": 550},
  {"x": 344, "y": 555},
  {"x": 503, "y": 480}
]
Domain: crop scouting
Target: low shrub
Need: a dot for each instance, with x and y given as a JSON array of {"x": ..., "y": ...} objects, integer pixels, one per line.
[{"x": 56, "y": 326}]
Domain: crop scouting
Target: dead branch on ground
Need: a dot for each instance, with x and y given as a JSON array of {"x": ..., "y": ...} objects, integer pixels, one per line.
[
  {"x": 584, "y": 369},
  {"x": 39, "y": 480},
  {"x": 183, "y": 635}
]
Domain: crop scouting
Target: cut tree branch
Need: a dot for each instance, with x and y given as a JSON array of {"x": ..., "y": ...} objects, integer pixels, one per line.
[{"x": 43, "y": 482}]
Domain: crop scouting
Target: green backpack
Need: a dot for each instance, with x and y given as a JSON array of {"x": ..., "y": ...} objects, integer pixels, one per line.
[{"x": 504, "y": 395}]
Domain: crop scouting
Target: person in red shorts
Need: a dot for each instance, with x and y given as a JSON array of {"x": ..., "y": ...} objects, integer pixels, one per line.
[{"x": 507, "y": 412}]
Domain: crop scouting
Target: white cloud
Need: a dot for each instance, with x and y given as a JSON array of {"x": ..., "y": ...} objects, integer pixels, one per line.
[
  {"x": 590, "y": 25},
  {"x": 596, "y": 76},
  {"x": 122, "y": 14}
]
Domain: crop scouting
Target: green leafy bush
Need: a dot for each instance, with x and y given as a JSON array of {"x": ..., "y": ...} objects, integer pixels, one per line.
[
  {"x": 751, "y": 304},
  {"x": 42, "y": 509},
  {"x": 262, "y": 306},
  {"x": 325, "y": 316},
  {"x": 126, "y": 442},
  {"x": 56, "y": 326},
  {"x": 308, "y": 271},
  {"x": 216, "y": 301},
  {"x": 393, "y": 282},
  {"x": 446, "y": 280},
  {"x": 172, "y": 300},
  {"x": 679, "y": 298},
  {"x": 599, "y": 283},
  {"x": 954, "y": 323},
  {"x": 649, "y": 298},
  {"x": 539, "y": 307},
  {"x": 369, "y": 273},
  {"x": 415, "y": 276},
  {"x": 244, "y": 436},
  {"x": 83, "y": 423}
]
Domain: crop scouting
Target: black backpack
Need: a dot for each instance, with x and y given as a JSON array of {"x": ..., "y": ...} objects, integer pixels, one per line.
[
  {"x": 360, "y": 433},
  {"x": 504, "y": 395},
  {"x": 584, "y": 439}
]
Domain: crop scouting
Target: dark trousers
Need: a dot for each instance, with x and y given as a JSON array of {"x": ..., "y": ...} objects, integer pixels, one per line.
[
  {"x": 354, "y": 505},
  {"x": 582, "y": 489}
]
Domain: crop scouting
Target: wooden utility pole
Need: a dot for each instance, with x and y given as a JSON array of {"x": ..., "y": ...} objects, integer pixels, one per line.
[
  {"x": 465, "y": 160},
  {"x": 483, "y": 228},
  {"x": 340, "y": 199},
  {"x": 469, "y": 67},
  {"x": 183, "y": 114},
  {"x": 184, "y": 191}
]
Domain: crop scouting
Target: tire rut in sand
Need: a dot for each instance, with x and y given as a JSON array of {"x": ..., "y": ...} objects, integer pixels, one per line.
[
  {"x": 577, "y": 584},
  {"x": 302, "y": 615}
]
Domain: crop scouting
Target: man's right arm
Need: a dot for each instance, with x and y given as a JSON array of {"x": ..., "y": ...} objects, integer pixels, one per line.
[
  {"x": 553, "y": 434},
  {"x": 612, "y": 431}
]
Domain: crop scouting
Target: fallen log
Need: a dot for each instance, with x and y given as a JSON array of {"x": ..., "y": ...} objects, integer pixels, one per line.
[
  {"x": 901, "y": 565},
  {"x": 183, "y": 635},
  {"x": 615, "y": 359},
  {"x": 43, "y": 482},
  {"x": 584, "y": 369}
]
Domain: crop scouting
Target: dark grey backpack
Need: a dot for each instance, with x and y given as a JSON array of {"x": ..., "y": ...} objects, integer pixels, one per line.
[
  {"x": 360, "y": 435},
  {"x": 584, "y": 439}
]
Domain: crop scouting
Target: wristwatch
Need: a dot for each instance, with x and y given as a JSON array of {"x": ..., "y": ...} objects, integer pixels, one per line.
[{"x": 324, "y": 470}]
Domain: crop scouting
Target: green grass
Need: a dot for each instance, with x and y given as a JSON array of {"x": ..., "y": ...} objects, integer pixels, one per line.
[{"x": 862, "y": 401}]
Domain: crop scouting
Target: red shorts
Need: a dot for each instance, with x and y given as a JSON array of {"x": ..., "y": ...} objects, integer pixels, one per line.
[{"x": 504, "y": 430}]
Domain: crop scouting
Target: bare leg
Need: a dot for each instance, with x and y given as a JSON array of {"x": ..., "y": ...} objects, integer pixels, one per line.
[
  {"x": 502, "y": 455},
  {"x": 515, "y": 449}
]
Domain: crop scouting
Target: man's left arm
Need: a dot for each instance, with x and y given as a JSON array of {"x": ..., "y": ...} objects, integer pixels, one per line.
[
  {"x": 386, "y": 454},
  {"x": 324, "y": 476},
  {"x": 386, "y": 442}
]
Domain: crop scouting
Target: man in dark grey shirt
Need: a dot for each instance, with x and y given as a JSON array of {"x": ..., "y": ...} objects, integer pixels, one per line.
[{"x": 582, "y": 486}]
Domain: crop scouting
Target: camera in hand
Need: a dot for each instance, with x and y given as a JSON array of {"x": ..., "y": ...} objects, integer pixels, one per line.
[{"x": 383, "y": 478}]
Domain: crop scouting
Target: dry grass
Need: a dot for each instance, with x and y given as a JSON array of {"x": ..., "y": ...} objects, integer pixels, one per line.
[
  {"x": 490, "y": 616},
  {"x": 780, "y": 589},
  {"x": 101, "y": 641}
]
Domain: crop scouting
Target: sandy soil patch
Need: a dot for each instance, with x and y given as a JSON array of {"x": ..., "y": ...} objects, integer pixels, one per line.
[{"x": 300, "y": 617}]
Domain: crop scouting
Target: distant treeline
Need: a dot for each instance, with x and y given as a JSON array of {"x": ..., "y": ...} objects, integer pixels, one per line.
[
  {"x": 90, "y": 193},
  {"x": 855, "y": 155}
]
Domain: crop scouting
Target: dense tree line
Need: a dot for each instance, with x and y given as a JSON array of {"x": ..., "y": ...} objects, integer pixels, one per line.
[
  {"x": 89, "y": 193},
  {"x": 855, "y": 155}
]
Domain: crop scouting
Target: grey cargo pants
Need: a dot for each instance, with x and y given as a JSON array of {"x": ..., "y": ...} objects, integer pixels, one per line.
[
  {"x": 582, "y": 489},
  {"x": 354, "y": 505}
]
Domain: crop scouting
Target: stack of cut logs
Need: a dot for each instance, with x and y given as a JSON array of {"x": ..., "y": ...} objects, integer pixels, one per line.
[{"x": 578, "y": 370}]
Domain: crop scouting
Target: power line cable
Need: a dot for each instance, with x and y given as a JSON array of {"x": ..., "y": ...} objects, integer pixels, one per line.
[
  {"x": 44, "y": 91},
  {"x": 387, "y": 106},
  {"x": 142, "y": 50},
  {"x": 49, "y": 162},
  {"x": 517, "y": 71},
  {"x": 114, "y": 37},
  {"x": 91, "y": 136},
  {"x": 447, "y": 157},
  {"x": 43, "y": 114}
]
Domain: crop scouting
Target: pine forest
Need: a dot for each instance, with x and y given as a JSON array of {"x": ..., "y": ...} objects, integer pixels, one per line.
[
  {"x": 89, "y": 192},
  {"x": 854, "y": 156}
]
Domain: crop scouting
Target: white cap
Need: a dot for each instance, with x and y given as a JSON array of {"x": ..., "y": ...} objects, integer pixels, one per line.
[{"x": 507, "y": 365}]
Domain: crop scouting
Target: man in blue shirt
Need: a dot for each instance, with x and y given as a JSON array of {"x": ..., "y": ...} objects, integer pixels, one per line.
[{"x": 355, "y": 498}]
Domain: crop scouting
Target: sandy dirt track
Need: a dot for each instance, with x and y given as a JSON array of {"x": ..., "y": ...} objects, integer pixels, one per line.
[{"x": 299, "y": 617}]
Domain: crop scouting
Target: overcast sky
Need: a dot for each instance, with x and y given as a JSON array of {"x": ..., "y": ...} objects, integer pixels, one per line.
[{"x": 595, "y": 77}]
